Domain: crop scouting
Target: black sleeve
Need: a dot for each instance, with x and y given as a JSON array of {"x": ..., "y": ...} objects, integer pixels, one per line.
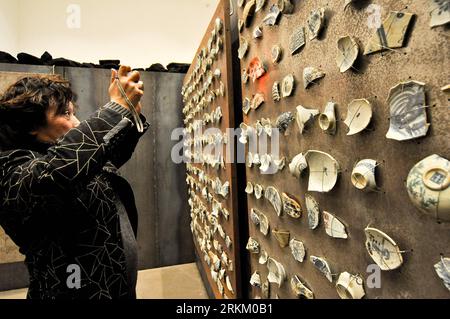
[{"x": 74, "y": 160}]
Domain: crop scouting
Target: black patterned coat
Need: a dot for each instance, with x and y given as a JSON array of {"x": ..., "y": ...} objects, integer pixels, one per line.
[{"x": 65, "y": 204}]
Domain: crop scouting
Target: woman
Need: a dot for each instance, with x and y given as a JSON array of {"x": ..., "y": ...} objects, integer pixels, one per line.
[{"x": 61, "y": 199}]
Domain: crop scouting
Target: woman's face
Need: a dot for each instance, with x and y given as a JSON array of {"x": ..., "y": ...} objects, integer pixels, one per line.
[{"x": 57, "y": 124}]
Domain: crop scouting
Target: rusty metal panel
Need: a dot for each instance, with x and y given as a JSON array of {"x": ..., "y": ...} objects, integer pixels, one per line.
[
  {"x": 424, "y": 58},
  {"x": 229, "y": 173}
]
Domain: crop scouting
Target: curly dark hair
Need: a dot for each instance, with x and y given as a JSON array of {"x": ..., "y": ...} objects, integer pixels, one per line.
[{"x": 23, "y": 107}]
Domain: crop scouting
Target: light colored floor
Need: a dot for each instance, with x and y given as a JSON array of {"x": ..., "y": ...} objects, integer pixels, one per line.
[{"x": 174, "y": 282}]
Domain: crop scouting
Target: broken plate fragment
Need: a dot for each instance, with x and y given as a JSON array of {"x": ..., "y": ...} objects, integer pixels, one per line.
[
  {"x": 265, "y": 289},
  {"x": 305, "y": 116},
  {"x": 297, "y": 249},
  {"x": 272, "y": 17},
  {"x": 229, "y": 285},
  {"x": 439, "y": 12},
  {"x": 327, "y": 119},
  {"x": 323, "y": 171},
  {"x": 287, "y": 86},
  {"x": 310, "y": 75},
  {"x": 282, "y": 236},
  {"x": 428, "y": 186},
  {"x": 443, "y": 271},
  {"x": 322, "y": 265},
  {"x": 363, "y": 175},
  {"x": 297, "y": 40},
  {"x": 359, "y": 114},
  {"x": 313, "y": 211},
  {"x": 299, "y": 289},
  {"x": 272, "y": 195},
  {"x": 277, "y": 274},
  {"x": 283, "y": 122},
  {"x": 350, "y": 286},
  {"x": 408, "y": 117},
  {"x": 297, "y": 165},
  {"x": 315, "y": 22},
  {"x": 391, "y": 34},
  {"x": 254, "y": 216},
  {"x": 333, "y": 226},
  {"x": 252, "y": 246},
  {"x": 383, "y": 249},
  {"x": 291, "y": 206},
  {"x": 348, "y": 51}
]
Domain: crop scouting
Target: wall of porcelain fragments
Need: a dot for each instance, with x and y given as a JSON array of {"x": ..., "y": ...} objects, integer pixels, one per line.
[
  {"x": 358, "y": 108},
  {"x": 212, "y": 183}
]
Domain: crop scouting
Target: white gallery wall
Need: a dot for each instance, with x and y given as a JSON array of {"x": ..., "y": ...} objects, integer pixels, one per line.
[{"x": 138, "y": 32}]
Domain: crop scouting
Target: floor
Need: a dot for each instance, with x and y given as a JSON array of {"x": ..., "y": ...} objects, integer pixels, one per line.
[{"x": 174, "y": 282}]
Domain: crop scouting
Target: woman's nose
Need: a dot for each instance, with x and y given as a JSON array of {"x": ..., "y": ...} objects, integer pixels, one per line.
[{"x": 75, "y": 121}]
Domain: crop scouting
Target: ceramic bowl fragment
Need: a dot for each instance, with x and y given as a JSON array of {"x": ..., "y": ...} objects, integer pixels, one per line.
[
  {"x": 439, "y": 12},
  {"x": 322, "y": 265},
  {"x": 243, "y": 48},
  {"x": 315, "y": 23},
  {"x": 257, "y": 101},
  {"x": 408, "y": 117},
  {"x": 304, "y": 116},
  {"x": 254, "y": 216},
  {"x": 252, "y": 246},
  {"x": 428, "y": 186},
  {"x": 299, "y": 288},
  {"x": 350, "y": 286},
  {"x": 327, "y": 119},
  {"x": 246, "y": 105},
  {"x": 333, "y": 226},
  {"x": 229, "y": 285},
  {"x": 391, "y": 34},
  {"x": 310, "y": 75},
  {"x": 282, "y": 236},
  {"x": 283, "y": 122},
  {"x": 359, "y": 114},
  {"x": 297, "y": 249},
  {"x": 272, "y": 195},
  {"x": 249, "y": 188},
  {"x": 383, "y": 249},
  {"x": 263, "y": 224},
  {"x": 297, "y": 40},
  {"x": 272, "y": 17},
  {"x": 313, "y": 211},
  {"x": 287, "y": 86},
  {"x": 443, "y": 271},
  {"x": 259, "y": 5},
  {"x": 276, "y": 54},
  {"x": 291, "y": 206},
  {"x": 277, "y": 274},
  {"x": 256, "y": 69},
  {"x": 266, "y": 160},
  {"x": 323, "y": 171},
  {"x": 348, "y": 51},
  {"x": 363, "y": 175},
  {"x": 263, "y": 257},
  {"x": 249, "y": 11},
  {"x": 298, "y": 165},
  {"x": 255, "y": 280},
  {"x": 244, "y": 76},
  {"x": 257, "y": 33},
  {"x": 286, "y": 7},
  {"x": 259, "y": 190}
]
